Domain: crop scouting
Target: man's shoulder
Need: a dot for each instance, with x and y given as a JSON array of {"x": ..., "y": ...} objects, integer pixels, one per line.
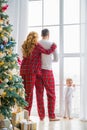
[{"x": 45, "y": 43}]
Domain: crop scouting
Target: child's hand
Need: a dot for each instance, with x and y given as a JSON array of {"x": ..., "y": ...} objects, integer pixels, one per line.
[{"x": 74, "y": 85}]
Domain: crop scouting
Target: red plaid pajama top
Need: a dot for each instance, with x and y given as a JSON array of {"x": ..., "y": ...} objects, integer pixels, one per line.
[{"x": 32, "y": 64}]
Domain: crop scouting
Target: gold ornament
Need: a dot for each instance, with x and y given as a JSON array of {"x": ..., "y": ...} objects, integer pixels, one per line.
[
  {"x": 13, "y": 62},
  {"x": 0, "y": 80},
  {"x": 11, "y": 89},
  {"x": 0, "y": 29},
  {"x": 1, "y": 63},
  {"x": 4, "y": 94},
  {"x": 1, "y": 21},
  {"x": 10, "y": 77},
  {"x": 9, "y": 51},
  {"x": 2, "y": 35},
  {"x": 1, "y": 53}
]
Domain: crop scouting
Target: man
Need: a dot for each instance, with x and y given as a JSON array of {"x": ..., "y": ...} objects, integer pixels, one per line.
[{"x": 46, "y": 80}]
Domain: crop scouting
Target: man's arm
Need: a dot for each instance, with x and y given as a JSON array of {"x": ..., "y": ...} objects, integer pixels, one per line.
[{"x": 55, "y": 56}]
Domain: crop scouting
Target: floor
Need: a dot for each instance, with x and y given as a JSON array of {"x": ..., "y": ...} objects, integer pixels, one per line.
[{"x": 63, "y": 124}]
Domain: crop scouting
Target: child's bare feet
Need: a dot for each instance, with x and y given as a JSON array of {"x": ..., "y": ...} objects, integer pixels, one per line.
[
  {"x": 65, "y": 117},
  {"x": 70, "y": 118}
]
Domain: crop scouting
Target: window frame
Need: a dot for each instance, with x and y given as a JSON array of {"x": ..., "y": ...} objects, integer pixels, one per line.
[{"x": 62, "y": 55}]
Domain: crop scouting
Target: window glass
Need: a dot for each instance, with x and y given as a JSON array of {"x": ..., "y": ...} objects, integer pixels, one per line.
[
  {"x": 72, "y": 69},
  {"x": 72, "y": 39},
  {"x": 35, "y": 13},
  {"x": 51, "y": 12},
  {"x": 56, "y": 72},
  {"x": 45, "y": 14},
  {"x": 71, "y": 11}
]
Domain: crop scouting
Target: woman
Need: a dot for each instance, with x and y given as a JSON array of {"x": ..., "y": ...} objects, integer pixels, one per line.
[{"x": 31, "y": 64}]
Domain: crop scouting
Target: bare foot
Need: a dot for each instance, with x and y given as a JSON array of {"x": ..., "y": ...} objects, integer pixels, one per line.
[
  {"x": 54, "y": 119},
  {"x": 65, "y": 117},
  {"x": 70, "y": 118}
]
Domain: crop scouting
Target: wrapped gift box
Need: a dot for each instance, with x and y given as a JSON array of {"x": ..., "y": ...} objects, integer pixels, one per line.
[
  {"x": 24, "y": 126},
  {"x": 28, "y": 125},
  {"x": 5, "y": 123},
  {"x": 16, "y": 128},
  {"x": 1, "y": 117},
  {"x": 19, "y": 116},
  {"x": 26, "y": 114},
  {"x": 2, "y": 124},
  {"x": 34, "y": 126}
]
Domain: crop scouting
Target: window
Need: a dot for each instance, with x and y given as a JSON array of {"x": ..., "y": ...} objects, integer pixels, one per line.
[
  {"x": 35, "y": 13},
  {"x": 51, "y": 12},
  {"x": 62, "y": 18},
  {"x": 71, "y": 11},
  {"x": 72, "y": 39},
  {"x": 72, "y": 68}
]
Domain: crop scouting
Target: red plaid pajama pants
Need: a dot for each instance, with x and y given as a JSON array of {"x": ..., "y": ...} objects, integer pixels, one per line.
[
  {"x": 45, "y": 81},
  {"x": 29, "y": 82}
]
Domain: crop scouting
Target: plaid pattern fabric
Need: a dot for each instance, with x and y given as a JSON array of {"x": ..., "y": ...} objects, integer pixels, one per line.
[
  {"x": 39, "y": 96},
  {"x": 29, "y": 82},
  {"x": 47, "y": 81},
  {"x": 33, "y": 63},
  {"x": 30, "y": 67}
]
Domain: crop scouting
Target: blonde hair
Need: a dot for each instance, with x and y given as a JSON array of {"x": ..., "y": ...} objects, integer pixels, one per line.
[
  {"x": 29, "y": 43},
  {"x": 69, "y": 79}
]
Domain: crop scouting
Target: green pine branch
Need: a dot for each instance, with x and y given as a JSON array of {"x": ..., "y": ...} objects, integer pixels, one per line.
[
  {"x": 2, "y": 15},
  {"x": 3, "y": 1}
]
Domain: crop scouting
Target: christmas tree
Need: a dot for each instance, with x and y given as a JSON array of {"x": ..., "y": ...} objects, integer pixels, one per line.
[{"x": 11, "y": 86}]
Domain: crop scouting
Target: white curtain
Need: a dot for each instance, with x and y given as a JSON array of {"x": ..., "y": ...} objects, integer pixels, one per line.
[
  {"x": 18, "y": 15},
  {"x": 83, "y": 112}
]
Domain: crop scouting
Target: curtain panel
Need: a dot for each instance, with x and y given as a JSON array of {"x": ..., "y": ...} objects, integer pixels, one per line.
[
  {"x": 18, "y": 15},
  {"x": 83, "y": 105}
]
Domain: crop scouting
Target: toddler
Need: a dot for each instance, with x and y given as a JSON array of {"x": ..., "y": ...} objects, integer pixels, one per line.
[{"x": 68, "y": 97}]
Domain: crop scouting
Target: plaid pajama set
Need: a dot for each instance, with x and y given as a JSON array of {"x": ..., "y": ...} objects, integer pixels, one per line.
[
  {"x": 46, "y": 80},
  {"x": 29, "y": 69}
]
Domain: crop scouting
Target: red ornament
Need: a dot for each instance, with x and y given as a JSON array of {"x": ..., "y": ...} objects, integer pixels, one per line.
[
  {"x": 0, "y": 81},
  {"x": 4, "y": 42},
  {"x": 4, "y": 8}
]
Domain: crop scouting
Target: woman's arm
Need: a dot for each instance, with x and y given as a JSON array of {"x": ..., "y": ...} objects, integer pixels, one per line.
[{"x": 47, "y": 51}]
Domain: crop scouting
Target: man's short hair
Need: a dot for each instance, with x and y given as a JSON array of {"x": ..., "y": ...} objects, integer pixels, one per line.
[{"x": 45, "y": 32}]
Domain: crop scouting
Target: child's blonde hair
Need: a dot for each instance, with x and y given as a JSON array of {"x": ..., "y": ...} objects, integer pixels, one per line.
[
  {"x": 68, "y": 79},
  {"x": 29, "y": 43}
]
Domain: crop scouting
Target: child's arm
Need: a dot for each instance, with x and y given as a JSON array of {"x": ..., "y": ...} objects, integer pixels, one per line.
[
  {"x": 74, "y": 85},
  {"x": 73, "y": 89}
]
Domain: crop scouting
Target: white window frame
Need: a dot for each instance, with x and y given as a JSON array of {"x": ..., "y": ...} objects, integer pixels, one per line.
[{"x": 62, "y": 55}]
